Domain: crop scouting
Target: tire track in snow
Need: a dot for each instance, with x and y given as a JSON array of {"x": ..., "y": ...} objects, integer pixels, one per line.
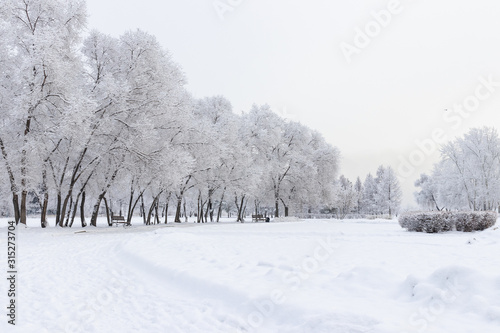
[
  {"x": 179, "y": 285},
  {"x": 233, "y": 309}
]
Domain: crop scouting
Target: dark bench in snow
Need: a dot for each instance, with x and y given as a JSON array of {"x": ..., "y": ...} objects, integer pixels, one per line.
[
  {"x": 259, "y": 217},
  {"x": 117, "y": 219}
]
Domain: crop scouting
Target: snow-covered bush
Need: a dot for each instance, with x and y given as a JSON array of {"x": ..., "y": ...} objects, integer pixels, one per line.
[
  {"x": 426, "y": 221},
  {"x": 474, "y": 221},
  {"x": 432, "y": 222}
]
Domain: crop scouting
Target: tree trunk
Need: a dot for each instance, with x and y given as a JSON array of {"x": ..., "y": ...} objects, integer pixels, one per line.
[
  {"x": 13, "y": 186},
  {"x": 198, "y": 209},
  {"x": 166, "y": 213},
  {"x": 82, "y": 207},
  {"x": 205, "y": 216},
  {"x": 185, "y": 215},
  {"x": 45, "y": 192},
  {"x": 154, "y": 206},
  {"x": 17, "y": 212},
  {"x": 95, "y": 211},
  {"x": 59, "y": 193},
  {"x": 286, "y": 207},
  {"x": 131, "y": 204},
  {"x": 179, "y": 201},
  {"x": 107, "y": 211},
  {"x": 166, "y": 206},
  {"x": 219, "y": 210},
  {"x": 277, "y": 193},
  {"x": 150, "y": 212},
  {"x": 64, "y": 207},
  {"x": 82, "y": 211},
  {"x": 132, "y": 208},
  {"x": 143, "y": 210},
  {"x": 74, "y": 178},
  {"x": 24, "y": 193},
  {"x": 201, "y": 214},
  {"x": 157, "y": 217},
  {"x": 177, "y": 218},
  {"x": 239, "y": 206},
  {"x": 209, "y": 211},
  {"x": 43, "y": 217},
  {"x": 109, "y": 181},
  {"x": 69, "y": 212},
  {"x": 58, "y": 209},
  {"x": 277, "y": 208},
  {"x": 75, "y": 208},
  {"x": 23, "y": 207}
]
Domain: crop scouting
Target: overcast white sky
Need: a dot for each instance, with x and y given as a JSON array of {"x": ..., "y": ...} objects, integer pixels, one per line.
[{"x": 287, "y": 53}]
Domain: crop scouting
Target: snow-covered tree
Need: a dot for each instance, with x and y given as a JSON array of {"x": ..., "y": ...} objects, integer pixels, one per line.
[
  {"x": 109, "y": 120},
  {"x": 468, "y": 175},
  {"x": 297, "y": 165},
  {"x": 140, "y": 94},
  {"x": 428, "y": 195},
  {"x": 44, "y": 71},
  {"x": 346, "y": 197},
  {"x": 380, "y": 194},
  {"x": 358, "y": 187},
  {"x": 389, "y": 194},
  {"x": 369, "y": 195}
]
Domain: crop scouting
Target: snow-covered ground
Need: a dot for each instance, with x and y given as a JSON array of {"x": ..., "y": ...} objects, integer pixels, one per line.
[{"x": 306, "y": 276}]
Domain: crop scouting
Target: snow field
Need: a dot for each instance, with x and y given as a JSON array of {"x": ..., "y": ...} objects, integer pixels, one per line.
[{"x": 307, "y": 276}]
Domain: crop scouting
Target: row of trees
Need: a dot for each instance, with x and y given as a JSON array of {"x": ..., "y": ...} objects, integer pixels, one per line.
[
  {"x": 468, "y": 175},
  {"x": 108, "y": 120},
  {"x": 379, "y": 195}
]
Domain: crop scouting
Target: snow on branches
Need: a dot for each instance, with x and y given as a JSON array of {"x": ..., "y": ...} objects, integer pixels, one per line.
[
  {"x": 468, "y": 175},
  {"x": 109, "y": 120},
  {"x": 380, "y": 195}
]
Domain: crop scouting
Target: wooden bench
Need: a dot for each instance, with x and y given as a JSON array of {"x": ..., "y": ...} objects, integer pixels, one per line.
[
  {"x": 258, "y": 217},
  {"x": 117, "y": 219}
]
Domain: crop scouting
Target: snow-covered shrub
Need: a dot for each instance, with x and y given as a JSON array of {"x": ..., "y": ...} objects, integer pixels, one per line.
[
  {"x": 432, "y": 222},
  {"x": 474, "y": 221},
  {"x": 429, "y": 222}
]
